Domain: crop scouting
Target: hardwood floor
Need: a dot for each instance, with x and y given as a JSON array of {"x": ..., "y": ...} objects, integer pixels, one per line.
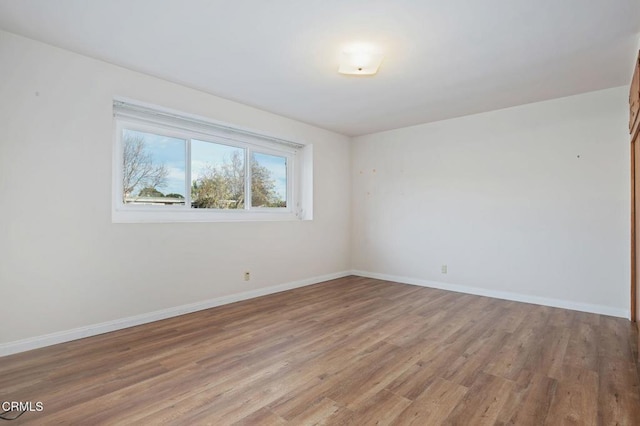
[{"x": 349, "y": 351}]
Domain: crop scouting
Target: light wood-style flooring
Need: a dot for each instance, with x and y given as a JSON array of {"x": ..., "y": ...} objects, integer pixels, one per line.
[{"x": 352, "y": 351}]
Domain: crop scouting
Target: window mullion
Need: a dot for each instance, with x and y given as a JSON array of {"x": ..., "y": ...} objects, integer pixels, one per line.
[
  {"x": 247, "y": 179},
  {"x": 187, "y": 171},
  {"x": 291, "y": 182}
]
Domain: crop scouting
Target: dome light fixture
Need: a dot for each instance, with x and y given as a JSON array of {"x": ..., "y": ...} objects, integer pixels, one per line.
[{"x": 360, "y": 59}]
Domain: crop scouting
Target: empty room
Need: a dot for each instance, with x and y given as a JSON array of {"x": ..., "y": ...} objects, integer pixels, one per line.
[{"x": 319, "y": 212}]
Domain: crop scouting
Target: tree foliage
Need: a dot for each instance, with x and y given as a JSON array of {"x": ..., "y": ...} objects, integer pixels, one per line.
[
  {"x": 174, "y": 195},
  {"x": 263, "y": 187},
  {"x": 222, "y": 187},
  {"x": 139, "y": 170},
  {"x": 150, "y": 192}
]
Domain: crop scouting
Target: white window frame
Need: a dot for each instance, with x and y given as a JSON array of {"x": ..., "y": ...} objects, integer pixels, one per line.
[{"x": 129, "y": 115}]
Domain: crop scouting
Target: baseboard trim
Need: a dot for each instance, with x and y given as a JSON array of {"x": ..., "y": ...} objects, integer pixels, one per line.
[
  {"x": 118, "y": 324},
  {"x": 516, "y": 297}
]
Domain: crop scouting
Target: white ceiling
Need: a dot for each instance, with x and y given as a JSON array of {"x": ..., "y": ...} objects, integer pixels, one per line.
[{"x": 443, "y": 58}]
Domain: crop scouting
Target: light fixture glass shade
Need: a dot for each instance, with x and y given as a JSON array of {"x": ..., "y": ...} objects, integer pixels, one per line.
[{"x": 360, "y": 60}]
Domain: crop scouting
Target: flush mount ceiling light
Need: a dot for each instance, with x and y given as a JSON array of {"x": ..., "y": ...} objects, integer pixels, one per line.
[{"x": 360, "y": 59}]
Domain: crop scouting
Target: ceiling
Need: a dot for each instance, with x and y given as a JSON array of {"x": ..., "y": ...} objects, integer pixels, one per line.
[{"x": 443, "y": 58}]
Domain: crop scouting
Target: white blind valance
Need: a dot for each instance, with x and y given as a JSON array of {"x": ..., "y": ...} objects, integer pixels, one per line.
[{"x": 165, "y": 117}]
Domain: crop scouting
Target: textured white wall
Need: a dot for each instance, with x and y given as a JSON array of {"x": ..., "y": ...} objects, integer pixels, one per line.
[
  {"x": 531, "y": 200},
  {"x": 63, "y": 264}
]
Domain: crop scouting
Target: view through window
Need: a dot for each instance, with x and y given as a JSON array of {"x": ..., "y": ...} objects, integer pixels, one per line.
[{"x": 177, "y": 168}]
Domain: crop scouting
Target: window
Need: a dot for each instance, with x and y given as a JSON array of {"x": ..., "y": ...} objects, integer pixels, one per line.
[{"x": 170, "y": 167}]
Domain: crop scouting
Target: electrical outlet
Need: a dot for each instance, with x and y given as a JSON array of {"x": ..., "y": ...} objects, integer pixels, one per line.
[
  {"x": 443, "y": 269},
  {"x": 247, "y": 276}
]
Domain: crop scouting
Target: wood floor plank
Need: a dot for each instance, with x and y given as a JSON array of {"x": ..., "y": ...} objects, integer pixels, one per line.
[
  {"x": 619, "y": 394},
  {"x": 483, "y": 401},
  {"x": 513, "y": 355},
  {"x": 295, "y": 402},
  {"x": 474, "y": 358},
  {"x": 317, "y": 413},
  {"x": 263, "y": 417},
  {"x": 582, "y": 350},
  {"x": 434, "y": 404},
  {"x": 383, "y": 408},
  {"x": 370, "y": 378},
  {"x": 575, "y": 401},
  {"x": 349, "y": 351},
  {"x": 421, "y": 375},
  {"x": 529, "y": 403},
  {"x": 613, "y": 336},
  {"x": 549, "y": 353}
]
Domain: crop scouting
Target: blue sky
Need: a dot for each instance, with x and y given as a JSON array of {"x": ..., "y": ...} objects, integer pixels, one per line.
[{"x": 171, "y": 152}]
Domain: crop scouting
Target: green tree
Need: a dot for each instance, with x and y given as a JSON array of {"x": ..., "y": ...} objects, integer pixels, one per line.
[
  {"x": 150, "y": 192},
  {"x": 263, "y": 187},
  {"x": 174, "y": 195},
  {"x": 222, "y": 187}
]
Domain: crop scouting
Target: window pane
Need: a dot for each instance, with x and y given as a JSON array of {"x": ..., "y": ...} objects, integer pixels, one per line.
[
  {"x": 268, "y": 180},
  {"x": 153, "y": 169},
  {"x": 217, "y": 176}
]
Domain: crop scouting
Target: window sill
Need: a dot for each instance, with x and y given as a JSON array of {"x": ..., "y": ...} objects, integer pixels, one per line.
[{"x": 188, "y": 216}]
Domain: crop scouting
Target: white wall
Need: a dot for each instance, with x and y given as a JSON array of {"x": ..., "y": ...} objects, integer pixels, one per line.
[
  {"x": 529, "y": 203},
  {"x": 501, "y": 198},
  {"x": 64, "y": 265}
]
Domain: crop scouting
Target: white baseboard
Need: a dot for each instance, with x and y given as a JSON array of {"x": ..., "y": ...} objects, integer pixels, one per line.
[
  {"x": 517, "y": 297},
  {"x": 118, "y": 324},
  {"x": 106, "y": 327}
]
